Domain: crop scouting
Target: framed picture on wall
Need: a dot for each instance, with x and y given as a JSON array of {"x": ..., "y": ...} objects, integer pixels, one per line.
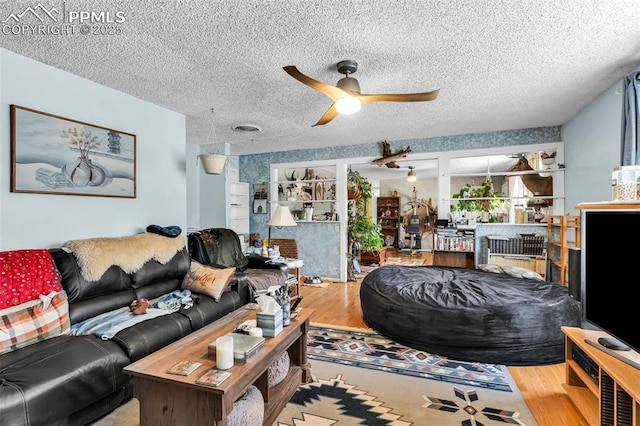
[
  {"x": 57, "y": 155},
  {"x": 260, "y": 196}
]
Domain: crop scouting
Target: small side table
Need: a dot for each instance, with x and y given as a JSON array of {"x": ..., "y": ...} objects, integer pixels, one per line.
[{"x": 293, "y": 280}]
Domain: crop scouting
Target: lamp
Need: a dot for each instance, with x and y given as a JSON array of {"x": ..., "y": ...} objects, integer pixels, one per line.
[
  {"x": 281, "y": 217},
  {"x": 348, "y": 105},
  {"x": 411, "y": 176}
]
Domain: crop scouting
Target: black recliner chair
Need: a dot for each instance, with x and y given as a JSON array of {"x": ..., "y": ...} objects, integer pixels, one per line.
[{"x": 220, "y": 247}]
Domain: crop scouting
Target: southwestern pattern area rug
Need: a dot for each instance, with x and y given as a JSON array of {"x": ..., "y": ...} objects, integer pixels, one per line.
[{"x": 362, "y": 378}]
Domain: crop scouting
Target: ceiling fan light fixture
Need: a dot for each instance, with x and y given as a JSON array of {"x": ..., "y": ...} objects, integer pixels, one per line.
[
  {"x": 411, "y": 176},
  {"x": 348, "y": 105},
  {"x": 348, "y": 84}
]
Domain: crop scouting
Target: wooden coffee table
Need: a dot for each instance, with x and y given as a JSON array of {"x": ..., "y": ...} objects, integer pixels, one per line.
[{"x": 168, "y": 399}]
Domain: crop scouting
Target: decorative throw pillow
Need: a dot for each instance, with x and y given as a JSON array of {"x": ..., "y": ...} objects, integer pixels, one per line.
[
  {"x": 519, "y": 272},
  {"x": 33, "y": 321},
  {"x": 490, "y": 267},
  {"x": 207, "y": 280},
  {"x": 26, "y": 274},
  {"x": 165, "y": 231}
]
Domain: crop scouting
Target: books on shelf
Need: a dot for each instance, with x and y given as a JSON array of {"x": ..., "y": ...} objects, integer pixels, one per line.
[
  {"x": 451, "y": 239},
  {"x": 184, "y": 368},
  {"x": 455, "y": 243},
  {"x": 525, "y": 244},
  {"x": 213, "y": 377}
]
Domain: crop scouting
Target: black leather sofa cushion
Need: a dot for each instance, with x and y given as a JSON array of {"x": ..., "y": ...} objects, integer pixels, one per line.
[
  {"x": 157, "y": 289},
  {"x": 77, "y": 288},
  {"x": 149, "y": 336},
  {"x": 98, "y": 409},
  {"x": 85, "y": 309},
  {"x": 206, "y": 310},
  {"x": 81, "y": 369},
  {"x": 153, "y": 272}
]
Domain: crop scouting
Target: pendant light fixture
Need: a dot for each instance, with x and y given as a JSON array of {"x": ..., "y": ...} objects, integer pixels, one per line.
[{"x": 411, "y": 176}]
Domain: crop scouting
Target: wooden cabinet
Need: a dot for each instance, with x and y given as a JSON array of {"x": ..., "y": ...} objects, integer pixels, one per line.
[
  {"x": 388, "y": 216},
  {"x": 454, "y": 247},
  {"x": 605, "y": 390},
  {"x": 563, "y": 234}
]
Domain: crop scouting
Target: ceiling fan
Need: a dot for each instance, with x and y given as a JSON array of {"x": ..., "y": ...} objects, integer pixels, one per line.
[{"x": 346, "y": 95}]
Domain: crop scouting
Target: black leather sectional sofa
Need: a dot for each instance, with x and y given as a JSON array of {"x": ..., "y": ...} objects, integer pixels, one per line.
[{"x": 74, "y": 380}]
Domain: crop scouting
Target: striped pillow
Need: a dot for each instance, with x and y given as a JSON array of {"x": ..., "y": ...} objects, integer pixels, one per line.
[{"x": 34, "y": 321}]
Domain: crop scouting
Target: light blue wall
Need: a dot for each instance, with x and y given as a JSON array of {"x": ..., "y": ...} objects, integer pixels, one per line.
[
  {"x": 592, "y": 149},
  {"x": 41, "y": 220},
  {"x": 318, "y": 243},
  {"x": 207, "y": 199}
]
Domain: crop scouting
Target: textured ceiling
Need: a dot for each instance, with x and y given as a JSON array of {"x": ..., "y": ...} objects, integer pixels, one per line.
[{"x": 498, "y": 64}]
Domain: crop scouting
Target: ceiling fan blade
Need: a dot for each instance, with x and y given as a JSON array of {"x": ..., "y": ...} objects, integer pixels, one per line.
[
  {"x": 400, "y": 97},
  {"x": 331, "y": 91},
  {"x": 329, "y": 115}
]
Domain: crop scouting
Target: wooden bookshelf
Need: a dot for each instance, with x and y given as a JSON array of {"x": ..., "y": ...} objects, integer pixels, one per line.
[
  {"x": 454, "y": 247},
  {"x": 563, "y": 234},
  {"x": 388, "y": 217}
]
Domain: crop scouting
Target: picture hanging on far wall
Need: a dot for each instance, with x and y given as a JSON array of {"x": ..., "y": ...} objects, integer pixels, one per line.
[
  {"x": 260, "y": 195},
  {"x": 56, "y": 155}
]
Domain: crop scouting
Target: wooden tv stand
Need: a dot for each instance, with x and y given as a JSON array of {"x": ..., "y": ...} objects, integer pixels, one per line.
[{"x": 615, "y": 398}]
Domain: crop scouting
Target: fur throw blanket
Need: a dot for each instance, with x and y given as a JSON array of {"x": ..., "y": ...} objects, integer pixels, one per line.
[{"x": 96, "y": 255}]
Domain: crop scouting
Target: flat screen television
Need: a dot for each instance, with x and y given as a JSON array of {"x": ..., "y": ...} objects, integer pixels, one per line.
[{"x": 611, "y": 278}]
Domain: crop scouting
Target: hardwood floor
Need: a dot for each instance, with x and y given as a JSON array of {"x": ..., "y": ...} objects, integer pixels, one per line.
[{"x": 541, "y": 387}]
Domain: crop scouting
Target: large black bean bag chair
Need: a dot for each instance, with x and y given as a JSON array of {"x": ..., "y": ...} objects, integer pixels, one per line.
[{"x": 469, "y": 314}]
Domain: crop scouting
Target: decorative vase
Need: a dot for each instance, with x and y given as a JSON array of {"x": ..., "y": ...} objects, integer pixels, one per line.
[
  {"x": 82, "y": 172},
  {"x": 213, "y": 164}
]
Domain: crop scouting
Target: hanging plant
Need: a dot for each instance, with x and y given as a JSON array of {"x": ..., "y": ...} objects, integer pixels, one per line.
[{"x": 481, "y": 198}]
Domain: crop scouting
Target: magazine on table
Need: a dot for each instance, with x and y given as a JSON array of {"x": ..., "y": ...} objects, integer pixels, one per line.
[
  {"x": 184, "y": 368},
  {"x": 213, "y": 377}
]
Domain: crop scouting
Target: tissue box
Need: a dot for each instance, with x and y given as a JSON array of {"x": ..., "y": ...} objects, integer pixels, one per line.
[{"x": 271, "y": 324}]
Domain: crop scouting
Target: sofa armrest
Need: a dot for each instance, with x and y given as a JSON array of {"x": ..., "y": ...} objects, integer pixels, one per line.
[
  {"x": 259, "y": 262},
  {"x": 240, "y": 284}
]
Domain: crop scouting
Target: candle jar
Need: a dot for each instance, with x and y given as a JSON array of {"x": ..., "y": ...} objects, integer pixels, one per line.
[
  {"x": 624, "y": 183},
  {"x": 519, "y": 213},
  {"x": 224, "y": 352}
]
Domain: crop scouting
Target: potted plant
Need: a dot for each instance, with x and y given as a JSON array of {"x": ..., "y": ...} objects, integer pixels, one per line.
[
  {"x": 365, "y": 236},
  {"x": 358, "y": 187},
  {"x": 479, "y": 199}
]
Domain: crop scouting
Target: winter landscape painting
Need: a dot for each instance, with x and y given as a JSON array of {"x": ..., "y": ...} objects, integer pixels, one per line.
[{"x": 57, "y": 155}]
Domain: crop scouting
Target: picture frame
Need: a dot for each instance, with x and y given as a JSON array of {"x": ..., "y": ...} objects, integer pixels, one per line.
[{"x": 51, "y": 154}]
